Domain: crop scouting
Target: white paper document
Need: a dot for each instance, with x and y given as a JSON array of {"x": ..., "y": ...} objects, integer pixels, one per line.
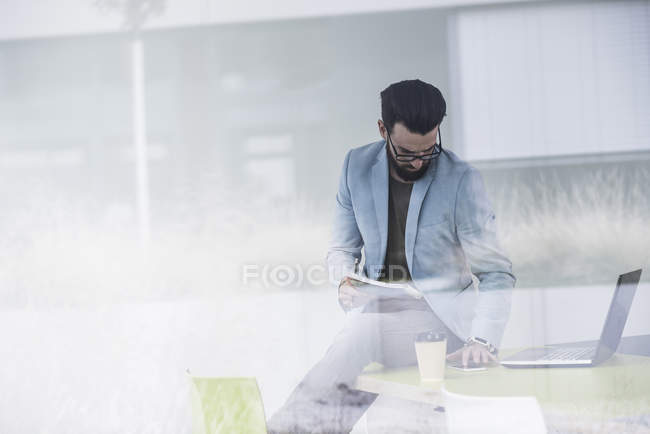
[{"x": 383, "y": 289}]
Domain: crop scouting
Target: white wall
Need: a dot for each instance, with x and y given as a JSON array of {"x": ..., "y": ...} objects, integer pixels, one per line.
[
  {"x": 39, "y": 18},
  {"x": 553, "y": 79}
]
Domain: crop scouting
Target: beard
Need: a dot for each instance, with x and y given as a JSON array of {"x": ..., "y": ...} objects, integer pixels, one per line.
[{"x": 406, "y": 174}]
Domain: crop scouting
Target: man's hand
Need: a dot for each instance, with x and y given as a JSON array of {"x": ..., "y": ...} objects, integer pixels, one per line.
[
  {"x": 349, "y": 297},
  {"x": 478, "y": 353}
]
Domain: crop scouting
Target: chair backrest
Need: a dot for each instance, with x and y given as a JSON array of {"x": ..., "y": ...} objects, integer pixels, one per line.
[
  {"x": 226, "y": 406},
  {"x": 502, "y": 415}
]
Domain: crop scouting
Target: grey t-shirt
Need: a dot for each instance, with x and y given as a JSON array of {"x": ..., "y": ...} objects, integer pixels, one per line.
[{"x": 395, "y": 264}]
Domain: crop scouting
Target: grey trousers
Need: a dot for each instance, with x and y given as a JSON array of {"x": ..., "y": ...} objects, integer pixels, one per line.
[{"x": 325, "y": 400}]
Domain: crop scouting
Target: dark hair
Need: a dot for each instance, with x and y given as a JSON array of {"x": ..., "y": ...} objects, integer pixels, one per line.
[{"x": 418, "y": 105}]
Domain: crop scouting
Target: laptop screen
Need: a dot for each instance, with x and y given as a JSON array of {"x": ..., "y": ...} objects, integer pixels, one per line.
[{"x": 617, "y": 315}]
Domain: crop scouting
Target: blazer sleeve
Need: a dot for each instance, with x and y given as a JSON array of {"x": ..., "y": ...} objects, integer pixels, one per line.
[
  {"x": 346, "y": 241},
  {"x": 477, "y": 232}
]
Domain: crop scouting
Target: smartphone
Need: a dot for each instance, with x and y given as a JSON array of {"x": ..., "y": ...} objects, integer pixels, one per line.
[{"x": 471, "y": 366}]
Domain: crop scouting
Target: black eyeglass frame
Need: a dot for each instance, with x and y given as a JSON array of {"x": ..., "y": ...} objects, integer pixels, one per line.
[{"x": 437, "y": 150}]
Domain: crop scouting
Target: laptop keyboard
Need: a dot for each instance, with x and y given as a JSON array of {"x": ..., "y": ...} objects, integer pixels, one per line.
[{"x": 586, "y": 353}]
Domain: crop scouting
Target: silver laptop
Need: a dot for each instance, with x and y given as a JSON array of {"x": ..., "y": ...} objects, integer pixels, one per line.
[{"x": 573, "y": 355}]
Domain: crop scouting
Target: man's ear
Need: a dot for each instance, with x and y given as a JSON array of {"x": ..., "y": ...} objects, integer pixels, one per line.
[{"x": 382, "y": 128}]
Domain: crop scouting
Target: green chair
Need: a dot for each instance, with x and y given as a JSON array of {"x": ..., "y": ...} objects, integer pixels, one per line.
[{"x": 226, "y": 406}]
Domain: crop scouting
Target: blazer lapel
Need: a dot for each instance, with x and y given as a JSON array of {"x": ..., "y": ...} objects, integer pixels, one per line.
[
  {"x": 380, "y": 197},
  {"x": 418, "y": 194}
]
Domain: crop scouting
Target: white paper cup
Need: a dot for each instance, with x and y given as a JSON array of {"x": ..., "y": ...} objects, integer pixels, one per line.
[{"x": 431, "y": 352}]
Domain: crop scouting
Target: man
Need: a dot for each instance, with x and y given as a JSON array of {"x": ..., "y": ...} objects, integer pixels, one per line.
[{"x": 420, "y": 214}]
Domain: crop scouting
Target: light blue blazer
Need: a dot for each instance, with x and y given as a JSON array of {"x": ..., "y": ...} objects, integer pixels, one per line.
[{"x": 450, "y": 237}]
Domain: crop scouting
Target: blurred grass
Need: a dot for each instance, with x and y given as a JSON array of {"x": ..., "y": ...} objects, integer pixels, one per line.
[
  {"x": 572, "y": 226},
  {"x": 560, "y": 226},
  {"x": 59, "y": 250}
]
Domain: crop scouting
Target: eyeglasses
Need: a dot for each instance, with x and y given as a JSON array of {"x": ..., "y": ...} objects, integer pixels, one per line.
[{"x": 437, "y": 149}]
